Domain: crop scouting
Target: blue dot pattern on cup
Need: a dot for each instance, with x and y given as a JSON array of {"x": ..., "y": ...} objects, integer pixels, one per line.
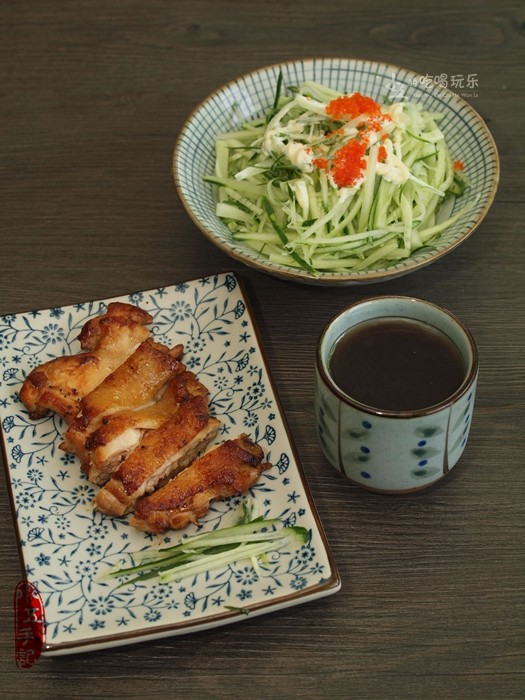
[
  {"x": 421, "y": 453},
  {"x": 436, "y": 446},
  {"x": 426, "y": 453}
]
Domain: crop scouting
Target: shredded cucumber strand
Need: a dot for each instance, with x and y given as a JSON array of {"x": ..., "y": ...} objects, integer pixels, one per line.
[{"x": 368, "y": 187}]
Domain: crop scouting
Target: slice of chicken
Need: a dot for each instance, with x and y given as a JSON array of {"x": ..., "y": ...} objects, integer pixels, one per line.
[
  {"x": 161, "y": 454},
  {"x": 223, "y": 471},
  {"x": 108, "y": 340},
  {"x": 134, "y": 384},
  {"x": 119, "y": 434}
]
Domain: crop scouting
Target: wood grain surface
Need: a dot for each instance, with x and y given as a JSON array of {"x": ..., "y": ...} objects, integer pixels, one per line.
[{"x": 92, "y": 96}]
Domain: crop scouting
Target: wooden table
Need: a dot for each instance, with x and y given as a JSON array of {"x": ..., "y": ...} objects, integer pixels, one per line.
[{"x": 93, "y": 95}]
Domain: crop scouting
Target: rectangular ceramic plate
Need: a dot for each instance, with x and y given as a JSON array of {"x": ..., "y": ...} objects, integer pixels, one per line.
[{"x": 66, "y": 546}]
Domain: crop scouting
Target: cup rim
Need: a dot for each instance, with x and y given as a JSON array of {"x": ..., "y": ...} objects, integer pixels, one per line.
[{"x": 413, "y": 413}]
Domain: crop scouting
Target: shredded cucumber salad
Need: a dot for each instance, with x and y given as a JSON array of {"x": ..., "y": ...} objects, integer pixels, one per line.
[{"x": 330, "y": 182}]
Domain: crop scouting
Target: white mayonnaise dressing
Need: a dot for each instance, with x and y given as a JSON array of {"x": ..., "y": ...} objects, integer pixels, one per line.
[{"x": 392, "y": 168}]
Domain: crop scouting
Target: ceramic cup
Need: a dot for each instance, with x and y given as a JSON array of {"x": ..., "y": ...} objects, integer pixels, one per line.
[{"x": 393, "y": 451}]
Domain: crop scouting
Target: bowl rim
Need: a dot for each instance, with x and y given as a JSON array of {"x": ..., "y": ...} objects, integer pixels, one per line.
[{"x": 333, "y": 278}]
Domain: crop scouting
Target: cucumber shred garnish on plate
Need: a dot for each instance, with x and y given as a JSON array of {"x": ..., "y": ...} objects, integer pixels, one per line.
[
  {"x": 250, "y": 538},
  {"x": 333, "y": 182}
]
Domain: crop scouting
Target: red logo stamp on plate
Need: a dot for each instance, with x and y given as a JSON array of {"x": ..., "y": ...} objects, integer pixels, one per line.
[{"x": 30, "y": 624}]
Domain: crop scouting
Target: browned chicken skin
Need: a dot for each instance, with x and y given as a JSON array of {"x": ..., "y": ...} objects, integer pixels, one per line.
[
  {"x": 108, "y": 340},
  {"x": 160, "y": 454},
  {"x": 224, "y": 471}
]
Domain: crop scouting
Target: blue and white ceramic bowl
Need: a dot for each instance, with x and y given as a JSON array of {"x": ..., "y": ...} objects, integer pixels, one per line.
[{"x": 251, "y": 95}]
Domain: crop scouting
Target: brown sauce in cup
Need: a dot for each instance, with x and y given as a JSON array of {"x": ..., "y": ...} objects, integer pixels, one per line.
[{"x": 396, "y": 364}]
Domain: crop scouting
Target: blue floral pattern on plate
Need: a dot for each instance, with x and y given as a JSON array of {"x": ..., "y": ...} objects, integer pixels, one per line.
[{"x": 66, "y": 546}]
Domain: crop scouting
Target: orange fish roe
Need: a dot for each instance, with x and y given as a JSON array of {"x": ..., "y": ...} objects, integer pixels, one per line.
[
  {"x": 321, "y": 163},
  {"x": 349, "y": 163},
  {"x": 375, "y": 125},
  {"x": 458, "y": 165},
  {"x": 351, "y": 106}
]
